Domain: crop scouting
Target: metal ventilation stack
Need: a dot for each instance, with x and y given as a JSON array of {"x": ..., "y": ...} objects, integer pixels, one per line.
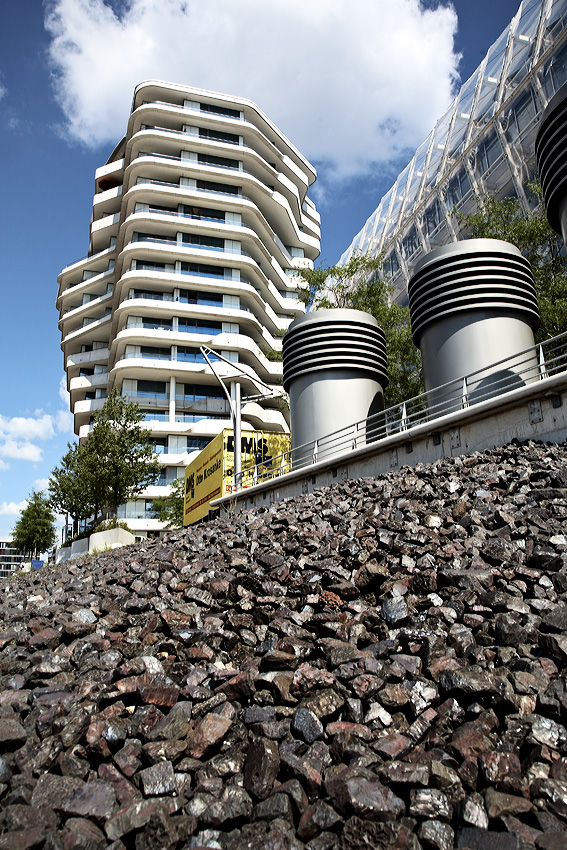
[
  {"x": 551, "y": 154},
  {"x": 472, "y": 305},
  {"x": 335, "y": 371}
]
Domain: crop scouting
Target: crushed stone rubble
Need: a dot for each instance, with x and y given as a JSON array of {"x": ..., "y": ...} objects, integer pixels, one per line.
[{"x": 378, "y": 664}]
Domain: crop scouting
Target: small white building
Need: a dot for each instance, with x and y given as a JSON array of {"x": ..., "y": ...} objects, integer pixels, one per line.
[{"x": 11, "y": 559}]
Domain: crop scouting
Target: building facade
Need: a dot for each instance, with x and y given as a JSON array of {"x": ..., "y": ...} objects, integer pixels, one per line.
[
  {"x": 11, "y": 559},
  {"x": 200, "y": 221},
  {"x": 483, "y": 144}
]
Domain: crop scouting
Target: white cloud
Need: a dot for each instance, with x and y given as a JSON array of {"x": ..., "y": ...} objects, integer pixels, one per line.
[
  {"x": 21, "y": 450},
  {"x": 64, "y": 418},
  {"x": 350, "y": 83},
  {"x": 12, "y": 508},
  {"x": 26, "y": 427},
  {"x": 40, "y": 484},
  {"x": 4, "y": 465},
  {"x": 64, "y": 421},
  {"x": 19, "y": 433},
  {"x": 64, "y": 392}
]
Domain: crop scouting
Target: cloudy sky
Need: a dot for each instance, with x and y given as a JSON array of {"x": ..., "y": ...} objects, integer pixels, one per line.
[{"x": 355, "y": 84}]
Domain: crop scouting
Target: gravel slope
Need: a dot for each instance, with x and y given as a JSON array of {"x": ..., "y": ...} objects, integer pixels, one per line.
[{"x": 380, "y": 664}]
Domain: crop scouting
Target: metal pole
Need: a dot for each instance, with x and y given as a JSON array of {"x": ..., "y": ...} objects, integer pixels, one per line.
[{"x": 236, "y": 419}]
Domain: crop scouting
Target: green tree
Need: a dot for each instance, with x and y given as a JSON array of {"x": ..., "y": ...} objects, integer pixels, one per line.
[
  {"x": 73, "y": 486},
  {"x": 504, "y": 218},
  {"x": 113, "y": 465},
  {"x": 170, "y": 508},
  {"x": 34, "y": 532},
  {"x": 119, "y": 453},
  {"x": 361, "y": 285}
]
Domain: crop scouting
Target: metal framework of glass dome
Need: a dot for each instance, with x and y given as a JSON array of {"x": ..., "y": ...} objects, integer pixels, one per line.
[{"x": 484, "y": 143}]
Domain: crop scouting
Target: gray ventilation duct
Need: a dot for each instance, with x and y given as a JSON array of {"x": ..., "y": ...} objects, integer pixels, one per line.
[
  {"x": 551, "y": 155},
  {"x": 335, "y": 371},
  {"x": 472, "y": 304}
]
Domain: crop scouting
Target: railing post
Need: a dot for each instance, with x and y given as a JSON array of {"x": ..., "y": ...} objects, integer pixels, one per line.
[
  {"x": 465, "y": 394},
  {"x": 542, "y": 365},
  {"x": 315, "y": 452},
  {"x": 404, "y": 423}
]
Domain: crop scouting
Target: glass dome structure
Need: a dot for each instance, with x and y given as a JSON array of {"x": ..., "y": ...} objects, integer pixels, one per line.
[{"x": 484, "y": 143}]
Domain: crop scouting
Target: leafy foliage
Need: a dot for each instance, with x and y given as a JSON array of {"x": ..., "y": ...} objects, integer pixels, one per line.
[
  {"x": 72, "y": 485},
  {"x": 505, "y": 219},
  {"x": 111, "y": 523},
  {"x": 34, "y": 532},
  {"x": 114, "y": 464},
  {"x": 361, "y": 285},
  {"x": 122, "y": 450},
  {"x": 170, "y": 508}
]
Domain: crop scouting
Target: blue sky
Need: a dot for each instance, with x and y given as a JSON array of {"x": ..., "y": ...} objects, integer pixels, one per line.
[{"x": 355, "y": 85}]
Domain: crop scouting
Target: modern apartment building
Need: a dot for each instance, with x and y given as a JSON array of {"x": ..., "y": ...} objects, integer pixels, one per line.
[
  {"x": 200, "y": 220},
  {"x": 483, "y": 144}
]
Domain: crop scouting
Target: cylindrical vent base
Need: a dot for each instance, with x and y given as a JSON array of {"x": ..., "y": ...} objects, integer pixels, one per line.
[
  {"x": 473, "y": 304},
  {"x": 551, "y": 155},
  {"x": 334, "y": 368}
]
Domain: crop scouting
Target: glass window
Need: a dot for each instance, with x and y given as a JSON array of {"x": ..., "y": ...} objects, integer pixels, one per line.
[
  {"x": 224, "y": 188},
  {"x": 154, "y": 415},
  {"x": 198, "y": 392},
  {"x": 410, "y": 243},
  {"x": 520, "y": 116},
  {"x": 221, "y": 161},
  {"x": 432, "y": 217},
  {"x": 148, "y": 351},
  {"x": 391, "y": 264},
  {"x": 150, "y": 295},
  {"x": 202, "y": 269},
  {"x": 201, "y": 212},
  {"x": 207, "y": 299},
  {"x": 160, "y": 445},
  {"x": 488, "y": 153},
  {"x": 205, "y": 241},
  {"x": 220, "y": 110},
  {"x": 217, "y": 135},
  {"x": 199, "y": 326},
  {"x": 152, "y": 389},
  {"x": 555, "y": 72},
  {"x": 457, "y": 188}
]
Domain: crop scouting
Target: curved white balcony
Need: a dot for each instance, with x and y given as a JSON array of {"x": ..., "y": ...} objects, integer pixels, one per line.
[
  {"x": 107, "y": 203},
  {"x": 87, "y": 382},
  {"x": 265, "y": 418},
  {"x": 96, "y": 329},
  {"x": 163, "y": 96},
  {"x": 88, "y": 406},
  {"x": 80, "y": 358},
  {"x": 84, "y": 314}
]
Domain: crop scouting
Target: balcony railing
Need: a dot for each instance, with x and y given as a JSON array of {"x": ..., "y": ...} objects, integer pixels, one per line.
[
  {"x": 158, "y": 240},
  {"x": 194, "y": 135},
  {"x": 142, "y": 180},
  {"x": 190, "y": 109},
  {"x": 526, "y": 367},
  {"x": 187, "y": 215},
  {"x": 198, "y": 164},
  {"x": 138, "y": 265}
]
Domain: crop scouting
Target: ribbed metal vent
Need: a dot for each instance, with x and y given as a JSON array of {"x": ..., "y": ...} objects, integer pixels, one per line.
[
  {"x": 334, "y": 368},
  {"x": 473, "y": 275},
  {"x": 334, "y": 339},
  {"x": 551, "y": 155}
]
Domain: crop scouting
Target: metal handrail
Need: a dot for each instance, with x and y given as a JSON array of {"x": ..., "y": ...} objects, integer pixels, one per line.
[{"x": 532, "y": 365}]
